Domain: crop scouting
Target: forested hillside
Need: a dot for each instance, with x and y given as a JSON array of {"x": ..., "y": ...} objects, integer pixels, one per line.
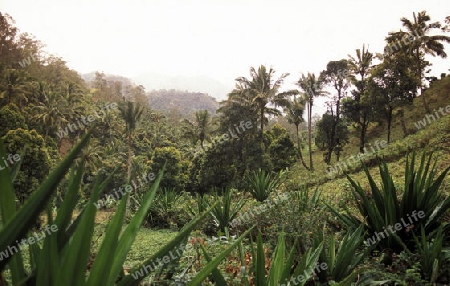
[
  {"x": 252, "y": 190},
  {"x": 184, "y": 102}
]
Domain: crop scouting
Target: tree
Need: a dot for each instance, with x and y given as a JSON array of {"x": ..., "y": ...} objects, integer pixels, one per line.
[
  {"x": 15, "y": 87},
  {"x": 312, "y": 87},
  {"x": 11, "y": 118},
  {"x": 421, "y": 44},
  {"x": 200, "y": 129},
  {"x": 294, "y": 115},
  {"x": 131, "y": 114},
  {"x": 262, "y": 90},
  {"x": 173, "y": 176},
  {"x": 281, "y": 148},
  {"x": 327, "y": 133},
  {"x": 338, "y": 76},
  {"x": 10, "y": 54},
  {"x": 394, "y": 84},
  {"x": 49, "y": 111},
  {"x": 359, "y": 109},
  {"x": 34, "y": 159}
]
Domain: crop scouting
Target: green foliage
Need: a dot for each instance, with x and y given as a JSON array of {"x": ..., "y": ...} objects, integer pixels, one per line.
[
  {"x": 431, "y": 253},
  {"x": 342, "y": 259},
  {"x": 10, "y": 119},
  {"x": 283, "y": 268},
  {"x": 224, "y": 212},
  {"x": 217, "y": 167},
  {"x": 260, "y": 184},
  {"x": 69, "y": 247},
  {"x": 381, "y": 207},
  {"x": 282, "y": 152},
  {"x": 173, "y": 177},
  {"x": 34, "y": 157},
  {"x": 324, "y": 126},
  {"x": 169, "y": 209}
]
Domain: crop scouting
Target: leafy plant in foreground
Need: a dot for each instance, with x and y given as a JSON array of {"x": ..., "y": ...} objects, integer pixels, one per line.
[
  {"x": 69, "y": 248},
  {"x": 261, "y": 183},
  {"x": 381, "y": 207}
]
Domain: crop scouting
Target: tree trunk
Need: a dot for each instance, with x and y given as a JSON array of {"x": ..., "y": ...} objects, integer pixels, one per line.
[
  {"x": 300, "y": 155},
  {"x": 389, "y": 124},
  {"x": 419, "y": 69},
  {"x": 309, "y": 134},
  {"x": 127, "y": 212},
  {"x": 362, "y": 135}
]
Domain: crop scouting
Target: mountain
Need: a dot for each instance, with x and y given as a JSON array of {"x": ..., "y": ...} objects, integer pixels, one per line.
[
  {"x": 199, "y": 84},
  {"x": 186, "y": 103}
]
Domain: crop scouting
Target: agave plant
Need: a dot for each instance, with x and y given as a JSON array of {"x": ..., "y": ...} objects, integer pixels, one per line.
[
  {"x": 261, "y": 183},
  {"x": 224, "y": 212},
  {"x": 341, "y": 259},
  {"x": 381, "y": 208},
  {"x": 284, "y": 268},
  {"x": 432, "y": 254}
]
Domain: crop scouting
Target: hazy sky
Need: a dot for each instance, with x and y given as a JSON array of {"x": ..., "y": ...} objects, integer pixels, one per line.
[{"x": 218, "y": 39}]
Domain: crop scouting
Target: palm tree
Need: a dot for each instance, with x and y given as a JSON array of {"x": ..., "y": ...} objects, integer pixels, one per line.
[
  {"x": 200, "y": 129},
  {"x": 262, "y": 90},
  {"x": 312, "y": 87},
  {"x": 294, "y": 114},
  {"x": 16, "y": 88},
  {"x": 49, "y": 109},
  {"x": 423, "y": 44},
  {"x": 203, "y": 122},
  {"x": 361, "y": 66},
  {"x": 131, "y": 113}
]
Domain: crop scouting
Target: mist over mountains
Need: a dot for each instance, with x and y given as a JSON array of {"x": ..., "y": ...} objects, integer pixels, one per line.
[{"x": 196, "y": 84}]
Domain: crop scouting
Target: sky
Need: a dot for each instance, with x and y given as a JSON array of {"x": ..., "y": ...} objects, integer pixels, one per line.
[{"x": 218, "y": 39}]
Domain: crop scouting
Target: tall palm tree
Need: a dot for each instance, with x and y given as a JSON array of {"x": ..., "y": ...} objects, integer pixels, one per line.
[
  {"x": 203, "y": 122},
  {"x": 49, "y": 109},
  {"x": 16, "y": 87},
  {"x": 131, "y": 113},
  {"x": 263, "y": 90},
  {"x": 423, "y": 44},
  {"x": 294, "y": 115},
  {"x": 312, "y": 87},
  {"x": 200, "y": 129},
  {"x": 361, "y": 66}
]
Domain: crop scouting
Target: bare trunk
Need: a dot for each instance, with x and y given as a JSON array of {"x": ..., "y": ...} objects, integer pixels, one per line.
[
  {"x": 309, "y": 135},
  {"x": 299, "y": 147},
  {"x": 127, "y": 213},
  {"x": 389, "y": 125}
]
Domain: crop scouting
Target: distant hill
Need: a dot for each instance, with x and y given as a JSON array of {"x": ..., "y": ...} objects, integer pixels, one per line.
[
  {"x": 186, "y": 103},
  {"x": 201, "y": 84}
]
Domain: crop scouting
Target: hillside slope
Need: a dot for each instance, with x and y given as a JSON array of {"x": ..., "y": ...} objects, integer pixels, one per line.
[{"x": 433, "y": 135}]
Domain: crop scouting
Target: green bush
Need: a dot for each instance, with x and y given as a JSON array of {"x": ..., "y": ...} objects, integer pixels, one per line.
[
  {"x": 260, "y": 184},
  {"x": 381, "y": 207}
]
